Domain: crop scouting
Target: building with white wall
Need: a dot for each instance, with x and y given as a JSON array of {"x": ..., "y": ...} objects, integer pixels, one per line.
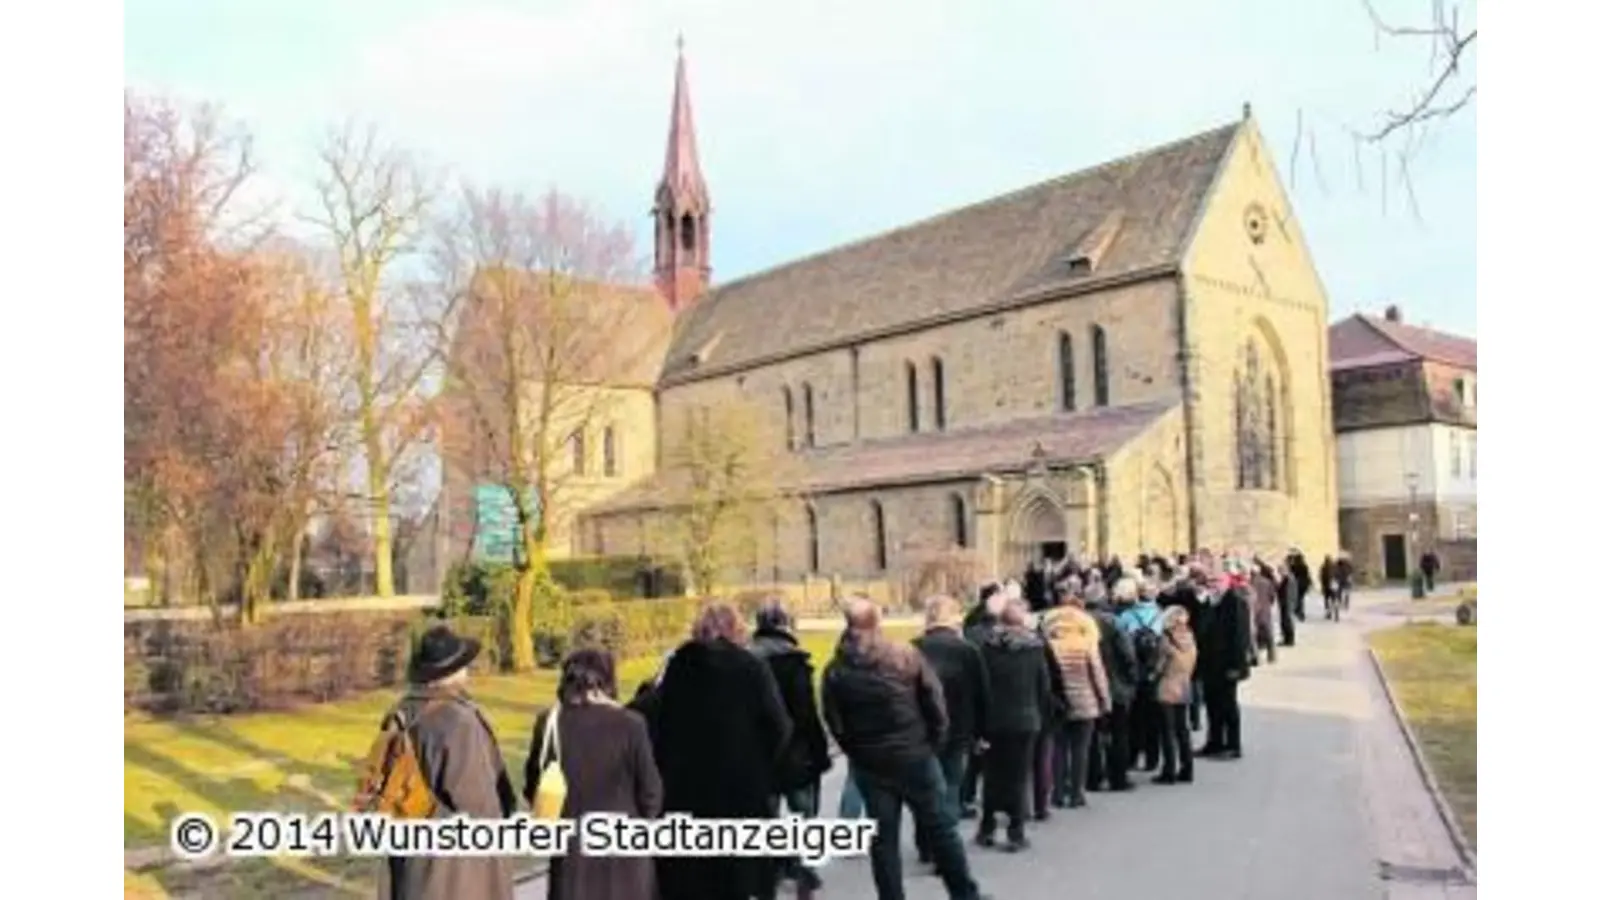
[{"x": 1405, "y": 418}]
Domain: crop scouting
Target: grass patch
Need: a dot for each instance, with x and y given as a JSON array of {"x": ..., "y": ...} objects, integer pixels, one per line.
[
  {"x": 302, "y": 760},
  {"x": 1433, "y": 670}
]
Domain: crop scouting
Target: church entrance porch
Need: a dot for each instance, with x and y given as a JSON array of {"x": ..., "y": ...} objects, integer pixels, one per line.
[{"x": 1041, "y": 526}]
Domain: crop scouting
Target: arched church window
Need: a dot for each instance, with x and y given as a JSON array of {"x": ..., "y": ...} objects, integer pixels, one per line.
[
  {"x": 1256, "y": 425},
  {"x": 575, "y": 445},
  {"x": 813, "y": 544},
  {"x": 958, "y": 515},
  {"x": 608, "y": 451},
  {"x": 1102, "y": 367},
  {"x": 938, "y": 393},
  {"x": 810, "y": 415},
  {"x": 913, "y": 419},
  {"x": 880, "y": 538},
  {"x": 687, "y": 229},
  {"x": 1068, "y": 376},
  {"x": 788, "y": 418}
]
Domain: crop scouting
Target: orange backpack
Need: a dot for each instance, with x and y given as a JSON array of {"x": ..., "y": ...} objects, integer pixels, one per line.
[{"x": 392, "y": 782}]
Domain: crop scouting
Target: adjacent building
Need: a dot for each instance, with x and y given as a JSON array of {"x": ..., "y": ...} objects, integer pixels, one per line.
[{"x": 1405, "y": 412}]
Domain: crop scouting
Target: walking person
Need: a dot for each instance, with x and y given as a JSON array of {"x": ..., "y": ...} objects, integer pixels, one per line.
[
  {"x": 1074, "y": 641},
  {"x": 1263, "y": 586},
  {"x": 1301, "y": 572},
  {"x": 1291, "y": 605},
  {"x": 1224, "y": 661},
  {"x": 1172, "y": 692},
  {"x": 964, "y": 680},
  {"x": 885, "y": 708},
  {"x": 980, "y": 620},
  {"x": 798, "y": 778},
  {"x": 462, "y": 771},
  {"x": 1020, "y": 683},
  {"x": 722, "y": 727},
  {"x": 1430, "y": 570},
  {"x": 1344, "y": 577},
  {"x": 604, "y": 755}
]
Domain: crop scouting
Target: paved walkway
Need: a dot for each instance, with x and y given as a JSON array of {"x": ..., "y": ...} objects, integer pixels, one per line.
[{"x": 1325, "y": 804}]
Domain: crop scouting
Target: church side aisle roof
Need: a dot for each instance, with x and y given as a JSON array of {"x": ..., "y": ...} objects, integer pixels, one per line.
[
  {"x": 962, "y": 261},
  {"x": 930, "y": 457}
]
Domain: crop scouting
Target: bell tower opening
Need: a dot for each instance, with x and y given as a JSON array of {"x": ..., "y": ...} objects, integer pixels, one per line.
[{"x": 682, "y": 209}]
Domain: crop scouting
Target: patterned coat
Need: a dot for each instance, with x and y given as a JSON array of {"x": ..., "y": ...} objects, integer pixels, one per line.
[{"x": 1074, "y": 639}]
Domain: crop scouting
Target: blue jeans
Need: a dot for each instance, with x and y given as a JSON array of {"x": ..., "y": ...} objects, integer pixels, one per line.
[
  {"x": 953, "y": 765},
  {"x": 919, "y": 785},
  {"x": 851, "y": 806}
]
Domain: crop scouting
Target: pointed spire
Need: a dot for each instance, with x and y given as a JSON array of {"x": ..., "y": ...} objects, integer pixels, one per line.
[{"x": 682, "y": 184}]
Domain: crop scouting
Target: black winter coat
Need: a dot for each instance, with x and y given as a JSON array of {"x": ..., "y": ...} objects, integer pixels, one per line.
[
  {"x": 720, "y": 727},
  {"x": 805, "y": 757},
  {"x": 883, "y": 705},
  {"x": 964, "y": 679},
  {"x": 1224, "y": 645},
  {"x": 1019, "y": 677},
  {"x": 1116, "y": 654}
]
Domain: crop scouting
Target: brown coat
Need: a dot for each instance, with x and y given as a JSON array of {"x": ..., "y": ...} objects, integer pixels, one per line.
[
  {"x": 607, "y": 760},
  {"x": 1174, "y": 686},
  {"x": 1074, "y": 640},
  {"x": 461, "y": 759}
]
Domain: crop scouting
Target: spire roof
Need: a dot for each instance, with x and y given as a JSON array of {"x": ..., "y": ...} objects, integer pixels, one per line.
[{"x": 681, "y": 181}]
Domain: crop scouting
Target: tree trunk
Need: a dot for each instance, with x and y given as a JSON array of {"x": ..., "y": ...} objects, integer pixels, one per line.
[
  {"x": 257, "y": 587},
  {"x": 296, "y": 560},
  {"x": 382, "y": 538}
]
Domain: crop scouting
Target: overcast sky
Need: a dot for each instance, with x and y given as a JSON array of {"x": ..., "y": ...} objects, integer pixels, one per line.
[{"x": 828, "y": 120}]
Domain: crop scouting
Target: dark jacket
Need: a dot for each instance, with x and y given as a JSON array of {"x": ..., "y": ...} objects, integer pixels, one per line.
[
  {"x": 977, "y": 625},
  {"x": 606, "y": 757},
  {"x": 1019, "y": 676},
  {"x": 460, "y": 758},
  {"x": 720, "y": 730},
  {"x": 883, "y": 704},
  {"x": 963, "y": 678},
  {"x": 1224, "y": 646},
  {"x": 806, "y": 756},
  {"x": 1116, "y": 654},
  {"x": 1302, "y": 573}
]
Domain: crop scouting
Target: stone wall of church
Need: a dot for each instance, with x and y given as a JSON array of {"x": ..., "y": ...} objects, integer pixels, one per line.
[
  {"x": 996, "y": 369},
  {"x": 1249, "y": 279},
  {"x": 1147, "y": 494}
]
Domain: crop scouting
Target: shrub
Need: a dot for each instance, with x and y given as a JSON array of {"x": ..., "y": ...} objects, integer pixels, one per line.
[
  {"x": 202, "y": 666},
  {"x": 621, "y": 576}
]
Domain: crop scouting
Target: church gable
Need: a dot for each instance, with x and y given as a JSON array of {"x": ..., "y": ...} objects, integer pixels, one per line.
[{"x": 1093, "y": 228}]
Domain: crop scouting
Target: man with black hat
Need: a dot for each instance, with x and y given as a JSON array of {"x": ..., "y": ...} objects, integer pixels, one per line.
[{"x": 460, "y": 759}]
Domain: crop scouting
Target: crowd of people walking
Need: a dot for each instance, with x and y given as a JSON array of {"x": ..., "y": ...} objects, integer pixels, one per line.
[{"x": 1006, "y": 710}]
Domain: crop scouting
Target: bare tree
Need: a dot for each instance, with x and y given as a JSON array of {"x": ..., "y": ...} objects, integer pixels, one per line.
[
  {"x": 548, "y": 325},
  {"x": 1449, "y": 89},
  {"x": 373, "y": 202},
  {"x": 725, "y": 479}
]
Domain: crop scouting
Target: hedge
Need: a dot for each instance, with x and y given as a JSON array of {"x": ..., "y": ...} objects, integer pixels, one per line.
[
  {"x": 475, "y": 588},
  {"x": 203, "y": 666}
]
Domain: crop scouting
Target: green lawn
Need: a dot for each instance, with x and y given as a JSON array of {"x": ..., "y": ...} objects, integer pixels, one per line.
[
  {"x": 302, "y": 759},
  {"x": 1434, "y": 672}
]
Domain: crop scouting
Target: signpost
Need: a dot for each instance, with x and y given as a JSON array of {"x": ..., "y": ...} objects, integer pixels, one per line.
[{"x": 496, "y": 539}]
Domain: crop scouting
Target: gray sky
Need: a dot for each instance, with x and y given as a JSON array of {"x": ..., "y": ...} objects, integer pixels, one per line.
[{"x": 825, "y": 121}]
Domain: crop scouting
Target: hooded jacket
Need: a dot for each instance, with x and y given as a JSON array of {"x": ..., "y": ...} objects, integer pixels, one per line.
[
  {"x": 1019, "y": 678},
  {"x": 805, "y": 757},
  {"x": 1074, "y": 641}
]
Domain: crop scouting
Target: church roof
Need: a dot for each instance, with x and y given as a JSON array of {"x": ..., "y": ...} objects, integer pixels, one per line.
[
  {"x": 1363, "y": 341},
  {"x": 931, "y": 457},
  {"x": 1093, "y": 228}
]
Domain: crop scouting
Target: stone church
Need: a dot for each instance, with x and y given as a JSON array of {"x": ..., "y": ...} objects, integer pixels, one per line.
[{"x": 1126, "y": 358}]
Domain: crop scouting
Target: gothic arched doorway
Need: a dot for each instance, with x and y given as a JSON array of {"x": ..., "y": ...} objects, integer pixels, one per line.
[{"x": 1038, "y": 530}]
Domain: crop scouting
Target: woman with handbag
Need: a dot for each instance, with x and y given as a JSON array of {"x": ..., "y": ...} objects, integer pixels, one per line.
[{"x": 590, "y": 755}]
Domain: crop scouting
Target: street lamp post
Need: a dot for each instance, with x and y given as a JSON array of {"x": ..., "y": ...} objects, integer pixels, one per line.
[{"x": 1414, "y": 520}]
